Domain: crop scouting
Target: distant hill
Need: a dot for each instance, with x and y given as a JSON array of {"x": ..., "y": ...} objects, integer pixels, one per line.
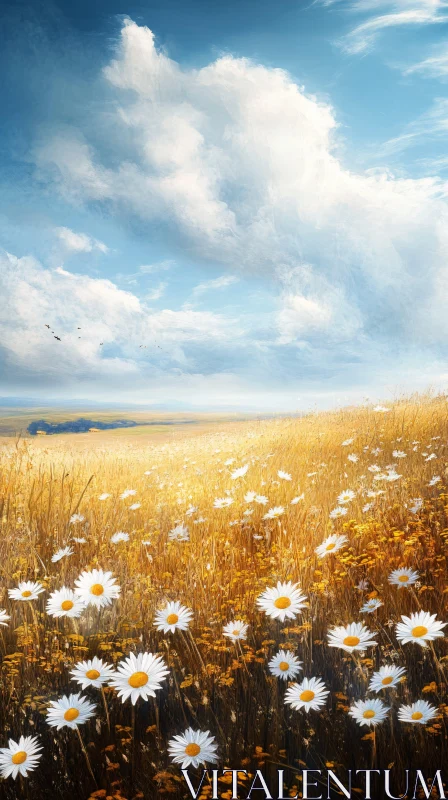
[{"x": 81, "y": 425}]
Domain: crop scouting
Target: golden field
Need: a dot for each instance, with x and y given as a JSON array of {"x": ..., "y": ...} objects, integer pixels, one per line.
[{"x": 232, "y": 555}]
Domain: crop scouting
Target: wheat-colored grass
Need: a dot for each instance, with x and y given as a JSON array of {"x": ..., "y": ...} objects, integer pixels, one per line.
[{"x": 218, "y": 574}]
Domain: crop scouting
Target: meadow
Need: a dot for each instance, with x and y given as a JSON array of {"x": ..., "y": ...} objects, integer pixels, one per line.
[{"x": 209, "y": 520}]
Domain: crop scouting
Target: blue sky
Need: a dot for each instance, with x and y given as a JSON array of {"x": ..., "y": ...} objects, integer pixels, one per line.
[{"x": 227, "y": 204}]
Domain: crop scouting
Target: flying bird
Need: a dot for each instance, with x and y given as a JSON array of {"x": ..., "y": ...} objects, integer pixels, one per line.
[
  {"x": 47, "y": 326},
  {"x": 57, "y": 337}
]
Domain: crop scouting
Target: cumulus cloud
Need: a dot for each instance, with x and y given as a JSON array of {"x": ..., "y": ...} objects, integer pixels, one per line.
[
  {"x": 106, "y": 334},
  {"x": 242, "y": 167}
]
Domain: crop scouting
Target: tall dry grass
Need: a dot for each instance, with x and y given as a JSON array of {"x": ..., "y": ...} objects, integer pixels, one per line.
[{"x": 219, "y": 573}]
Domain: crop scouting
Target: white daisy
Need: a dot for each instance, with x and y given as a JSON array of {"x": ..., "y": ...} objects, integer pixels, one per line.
[
  {"x": 392, "y": 476},
  {"x": 63, "y": 552},
  {"x": 285, "y": 665},
  {"x": 310, "y": 694},
  {"x": 368, "y": 712},
  {"x": 222, "y": 502},
  {"x": 417, "y": 504},
  {"x": 97, "y": 588},
  {"x": 434, "y": 480},
  {"x": 346, "y": 497},
  {"x": 381, "y": 409},
  {"x": 27, "y": 590},
  {"x": 249, "y": 497},
  {"x": 173, "y": 617},
  {"x": 65, "y": 603},
  {"x": 139, "y": 676},
  {"x": 354, "y": 636},
  {"x": 239, "y": 473},
  {"x": 119, "y": 536},
  {"x": 103, "y": 496},
  {"x": 284, "y": 476},
  {"x": 347, "y": 442},
  {"x": 4, "y": 617},
  {"x": 69, "y": 711},
  {"x": 94, "y": 673},
  {"x": 371, "y": 605},
  {"x": 283, "y": 601},
  {"x": 421, "y": 627},
  {"x": 386, "y": 677},
  {"x": 261, "y": 499},
  {"x": 403, "y": 577},
  {"x": 339, "y": 511},
  {"x": 399, "y": 454},
  {"x": 179, "y": 534},
  {"x": 331, "y": 544},
  {"x": 296, "y": 500},
  {"x": 192, "y": 748},
  {"x": 127, "y": 493},
  {"x": 134, "y": 506},
  {"x": 353, "y": 458},
  {"x": 235, "y": 630},
  {"x": 418, "y": 713},
  {"x": 274, "y": 512},
  {"x": 20, "y": 757},
  {"x": 76, "y": 518},
  {"x": 79, "y": 539}
]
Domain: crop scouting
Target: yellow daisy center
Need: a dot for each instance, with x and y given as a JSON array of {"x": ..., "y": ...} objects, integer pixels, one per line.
[
  {"x": 417, "y": 715},
  {"x": 92, "y": 674},
  {"x": 235, "y": 632},
  {"x": 19, "y": 758},
  {"x": 420, "y": 630},
  {"x": 369, "y": 714},
  {"x": 351, "y": 641},
  {"x": 330, "y": 546},
  {"x": 71, "y": 714},
  {"x": 387, "y": 681},
  {"x": 138, "y": 679},
  {"x": 26, "y": 593},
  {"x": 172, "y": 619},
  {"x": 403, "y": 578},
  {"x": 283, "y": 666},
  {"x": 282, "y": 602},
  {"x": 192, "y": 749},
  {"x": 307, "y": 696},
  {"x": 97, "y": 589},
  {"x": 67, "y": 605}
]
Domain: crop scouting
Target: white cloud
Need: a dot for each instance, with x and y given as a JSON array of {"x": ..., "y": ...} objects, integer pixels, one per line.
[
  {"x": 430, "y": 125},
  {"x": 394, "y": 14},
  {"x": 241, "y": 166},
  {"x": 435, "y": 66},
  {"x": 85, "y": 312},
  {"x": 159, "y": 266},
  {"x": 363, "y": 36},
  {"x": 79, "y": 242},
  {"x": 216, "y": 283},
  {"x": 157, "y": 292}
]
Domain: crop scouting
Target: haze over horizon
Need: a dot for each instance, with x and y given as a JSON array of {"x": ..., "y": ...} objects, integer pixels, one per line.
[{"x": 239, "y": 210}]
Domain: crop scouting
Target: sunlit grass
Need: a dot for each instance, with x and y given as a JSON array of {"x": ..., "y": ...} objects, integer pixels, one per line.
[{"x": 230, "y": 558}]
